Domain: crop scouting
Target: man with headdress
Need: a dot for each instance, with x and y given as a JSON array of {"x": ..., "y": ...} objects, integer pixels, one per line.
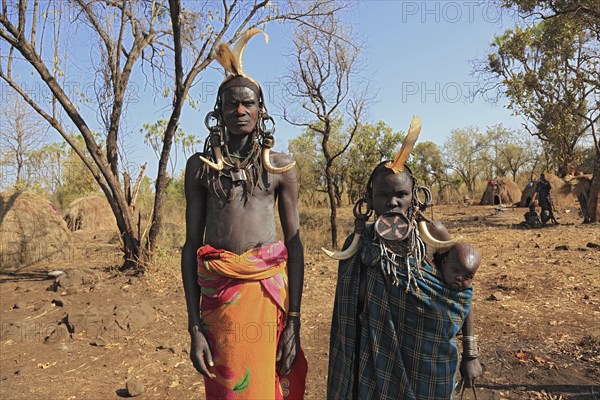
[
  {"x": 243, "y": 287},
  {"x": 395, "y": 317}
]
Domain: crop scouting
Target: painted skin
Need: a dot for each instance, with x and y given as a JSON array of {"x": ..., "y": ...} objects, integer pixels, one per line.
[{"x": 237, "y": 226}]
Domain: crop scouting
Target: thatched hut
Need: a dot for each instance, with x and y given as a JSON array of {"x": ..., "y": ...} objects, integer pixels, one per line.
[
  {"x": 561, "y": 192},
  {"x": 31, "y": 230},
  {"x": 581, "y": 188},
  {"x": 90, "y": 213},
  {"x": 528, "y": 194},
  {"x": 501, "y": 191}
]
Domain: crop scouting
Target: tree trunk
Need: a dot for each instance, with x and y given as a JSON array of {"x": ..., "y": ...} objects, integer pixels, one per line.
[
  {"x": 332, "y": 206},
  {"x": 471, "y": 187},
  {"x": 338, "y": 195},
  {"x": 593, "y": 203},
  {"x": 135, "y": 255},
  {"x": 181, "y": 88}
]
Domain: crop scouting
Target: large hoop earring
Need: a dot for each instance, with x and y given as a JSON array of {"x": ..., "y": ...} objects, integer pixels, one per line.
[
  {"x": 423, "y": 198},
  {"x": 216, "y": 138}
]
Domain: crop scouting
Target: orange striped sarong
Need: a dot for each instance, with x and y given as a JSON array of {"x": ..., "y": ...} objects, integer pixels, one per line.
[{"x": 243, "y": 306}]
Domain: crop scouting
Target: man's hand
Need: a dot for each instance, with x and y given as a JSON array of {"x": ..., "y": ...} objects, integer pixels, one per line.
[
  {"x": 470, "y": 368},
  {"x": 288, "y": 346},
  {"x": 200, "y": 353}
]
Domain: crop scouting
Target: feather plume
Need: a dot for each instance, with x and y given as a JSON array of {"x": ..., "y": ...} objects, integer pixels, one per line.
[
  {"x": 409, "y": 142},
  {"x": 231, "y": 60},
  {"x": 238, "y": 50},
  {"x": 226, "y": 58}
]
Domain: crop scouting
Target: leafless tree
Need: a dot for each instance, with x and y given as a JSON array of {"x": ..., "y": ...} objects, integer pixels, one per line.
[
  {"x": 20, "y": 133},
  {"x": 326, "y": 64},
  {"x": 170, "y": 42}
]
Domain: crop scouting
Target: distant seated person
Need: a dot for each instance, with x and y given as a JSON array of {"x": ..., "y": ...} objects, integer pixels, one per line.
[
  {"x": 532, "y": 219},
  {"x": 460, "y": 265}
]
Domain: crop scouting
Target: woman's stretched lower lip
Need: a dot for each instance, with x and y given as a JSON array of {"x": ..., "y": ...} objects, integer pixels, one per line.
[{"x": 394, "y": 210}]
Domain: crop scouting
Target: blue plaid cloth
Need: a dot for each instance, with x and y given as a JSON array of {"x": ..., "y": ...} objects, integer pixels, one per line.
[{"x": 406, "y": 346}]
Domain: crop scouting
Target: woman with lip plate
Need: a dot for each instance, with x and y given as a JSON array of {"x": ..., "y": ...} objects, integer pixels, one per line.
[{"x": 395, "y": 319}]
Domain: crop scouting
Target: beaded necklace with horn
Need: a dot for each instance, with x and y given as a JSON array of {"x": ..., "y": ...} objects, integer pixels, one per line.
[
  {"x": 394, "y": 228},
  {"x": 249, "y": 168}
]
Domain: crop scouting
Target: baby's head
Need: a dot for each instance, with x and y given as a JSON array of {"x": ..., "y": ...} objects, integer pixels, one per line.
[{"x": 460, "y": 265}]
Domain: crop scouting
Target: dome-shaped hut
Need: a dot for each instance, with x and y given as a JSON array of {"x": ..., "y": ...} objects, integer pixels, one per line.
[
  {"x": 31, "y": 230},
  {"x": 501, "y": 191},
  {"x": 90, "y": 213}
]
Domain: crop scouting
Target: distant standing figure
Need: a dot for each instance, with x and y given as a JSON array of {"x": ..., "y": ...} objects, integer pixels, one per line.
[{"x": 542, "y": 191}]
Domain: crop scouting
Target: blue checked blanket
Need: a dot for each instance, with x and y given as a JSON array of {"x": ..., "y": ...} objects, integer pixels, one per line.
[{"x": 402, "y": 345}]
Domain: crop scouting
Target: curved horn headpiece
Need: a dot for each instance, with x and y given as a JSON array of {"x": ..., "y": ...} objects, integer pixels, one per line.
[
  {"x": 360, "y": 220},
  {"x": 409, "y": 142},
  {"x": 232, "y": 60}
]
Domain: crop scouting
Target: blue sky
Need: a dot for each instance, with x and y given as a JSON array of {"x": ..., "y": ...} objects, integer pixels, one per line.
[
  {"x": 417, "y": 56},
  {"x": 418, "y": 59},
  {"x": 421, "y": 63}
]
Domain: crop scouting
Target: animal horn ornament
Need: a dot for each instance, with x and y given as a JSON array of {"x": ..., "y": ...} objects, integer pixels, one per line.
[
  {"x": 360, "y": 220},
  {"x": 268, "y": 141},
  {"x": 232, "y": 60},
  {"x": 430, "y": 241},
  {"x": 216, "y": 141}
]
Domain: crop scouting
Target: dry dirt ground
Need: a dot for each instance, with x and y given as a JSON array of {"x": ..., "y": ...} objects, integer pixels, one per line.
[{"x": 537, "y": 309}]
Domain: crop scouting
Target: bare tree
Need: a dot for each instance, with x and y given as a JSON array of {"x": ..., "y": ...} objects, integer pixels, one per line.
[
  {"x": 20, "y": 133},
  {"x": 168, "y": 43},
  {"x": 325, "y": 65}
]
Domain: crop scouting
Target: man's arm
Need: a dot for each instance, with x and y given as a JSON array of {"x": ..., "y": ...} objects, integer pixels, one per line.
[
  {"x": 287, "y": 195},
  {"x": 195, "y": 221}
]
